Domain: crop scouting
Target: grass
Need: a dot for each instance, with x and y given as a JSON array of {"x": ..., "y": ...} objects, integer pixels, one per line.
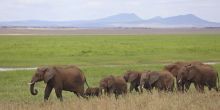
[
  {"x": 103, "y": 49},
  {"x": 92, "y": 53}
]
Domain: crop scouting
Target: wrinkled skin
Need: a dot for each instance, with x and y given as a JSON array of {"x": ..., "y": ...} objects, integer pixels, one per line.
[
  {"x": 163, "y": 80},
  {"x": 200, "y": 75},
  {"x": 112, "y": 84},
  {"x": 133, "y": 77},
  {"x": 174, "y": 69},
  {"x": 68, "y": 78},
  {"x": 106, "y": 84},
  {"x": 95, "y": 91}
]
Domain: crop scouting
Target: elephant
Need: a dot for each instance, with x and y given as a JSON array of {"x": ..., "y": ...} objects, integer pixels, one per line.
[
  {"x": 200, "y": 75},
  {"x": 112, "y": 84},
  {"x": 95, "y": 91},
  {"x": 175, "y": 67},
  {"x": 133, "y": 77},
  {"x": 162, "y": 80},
  {"x": 69, "y": 78},
  {"x": 104, "y": 84}
]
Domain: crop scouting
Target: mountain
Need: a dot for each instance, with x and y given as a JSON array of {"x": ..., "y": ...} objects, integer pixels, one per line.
[
  {"x": 120, "y": 20},
  {"x": 188, "y": 20}
]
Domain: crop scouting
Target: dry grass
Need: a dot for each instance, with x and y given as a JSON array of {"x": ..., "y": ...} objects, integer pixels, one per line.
[{"x": 155, "y": 101}]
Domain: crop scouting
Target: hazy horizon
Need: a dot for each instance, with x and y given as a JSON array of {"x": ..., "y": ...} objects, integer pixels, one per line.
[{"x": 63, "y": 10}]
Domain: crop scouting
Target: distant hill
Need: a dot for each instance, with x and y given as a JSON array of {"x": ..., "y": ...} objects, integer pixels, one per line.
[{"x": 120, "y": 20}]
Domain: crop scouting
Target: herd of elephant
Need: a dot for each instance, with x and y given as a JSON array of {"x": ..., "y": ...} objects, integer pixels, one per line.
[{"x": 71, "y": 78}]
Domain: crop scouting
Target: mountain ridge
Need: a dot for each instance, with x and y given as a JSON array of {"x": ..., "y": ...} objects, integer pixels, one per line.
[{"x": 120, "y": 20}]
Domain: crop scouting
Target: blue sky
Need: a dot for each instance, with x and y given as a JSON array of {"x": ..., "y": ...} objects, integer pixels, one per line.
[{"x": 60, "y": 10}]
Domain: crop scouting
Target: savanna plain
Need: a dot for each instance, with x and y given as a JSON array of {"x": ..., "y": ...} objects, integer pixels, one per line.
[{"x": 99, "y": 56}]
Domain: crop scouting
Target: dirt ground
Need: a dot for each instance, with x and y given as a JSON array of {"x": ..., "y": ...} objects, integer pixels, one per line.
[{"x": 106, "y": 31}]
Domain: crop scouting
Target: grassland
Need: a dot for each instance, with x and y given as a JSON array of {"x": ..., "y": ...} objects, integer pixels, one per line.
[
  {"x": 97, "y": 55},
  {"x": 99, "y": 50}
]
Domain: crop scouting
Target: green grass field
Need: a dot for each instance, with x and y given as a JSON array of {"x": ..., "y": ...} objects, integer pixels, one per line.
[
  {"x": 98, "y": 56},
  {"x": 100, "y": 50}
]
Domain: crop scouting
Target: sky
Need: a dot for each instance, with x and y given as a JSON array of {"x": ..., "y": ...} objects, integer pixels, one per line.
[{"x": 62, "y": 10}]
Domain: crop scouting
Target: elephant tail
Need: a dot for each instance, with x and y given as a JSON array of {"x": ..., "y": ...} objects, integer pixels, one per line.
[
  {"x": 218, "y": 80},
  {"x": 86, "y": 83}
]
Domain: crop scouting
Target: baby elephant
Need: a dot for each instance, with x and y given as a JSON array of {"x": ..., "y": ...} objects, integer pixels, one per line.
[
  {"x": 163, "y": 80},
  {"x": 92, "y": 91},
  {"x": 116, "y": 85},
  {"x": 133, "y": 77}
]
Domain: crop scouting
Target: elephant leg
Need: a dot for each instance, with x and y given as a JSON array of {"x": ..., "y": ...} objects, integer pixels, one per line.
[
  {"x": 131, "y": 87},
  {"x": 216, "y": 88},
  {"x": 59, "y": 94},
  {"x": 82, "y": 95},
  {"x": 182, "y": 87},
  {"x": 136, "y": 89},
  {"x": 116, "y": 95},
  {"x": 202, "y": 88},
  {"x": 141, "y": 88},
  {"x": 187, "y": 85},
  {"x": 197, "y": 86},
  {"x": 150, "y": 88},
  {"x": 76, "y": 94},
  {"x": 47, "y": 92}
]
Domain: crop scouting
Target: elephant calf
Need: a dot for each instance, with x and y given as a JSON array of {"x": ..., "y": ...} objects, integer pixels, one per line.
[
  {"x": 112, "y": 84},
  {"x": 133, "y": 77},
  {"x": 163, "y": 80},
  {"x": 92, "y": 91}
]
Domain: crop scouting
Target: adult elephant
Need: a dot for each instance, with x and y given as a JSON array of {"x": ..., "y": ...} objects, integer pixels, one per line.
[
  {"x": 200, "y": 75},
  {"x": 133, "y": 77},
  {"x": 175, "y": 67},
  {"x": 69, "y": 78},
  {"x": 163, "y": 80},
  {"x": 112, "y": 84}
]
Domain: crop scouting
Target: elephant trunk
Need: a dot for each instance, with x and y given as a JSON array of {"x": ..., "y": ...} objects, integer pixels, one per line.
[{"x": 32, "y": 90}]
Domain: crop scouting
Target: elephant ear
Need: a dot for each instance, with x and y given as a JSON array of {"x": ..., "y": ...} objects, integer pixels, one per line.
[
  {"x": 170, "y": 67},
  {"x": 189, "y": 69},
  {"x": 110, "y": 82},
  {"x": 132, "y": 77},
  {"x": 49, "y": 74},
  {"x": 153, "y": 78}
]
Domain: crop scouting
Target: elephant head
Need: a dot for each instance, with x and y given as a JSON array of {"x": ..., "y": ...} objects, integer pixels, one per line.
[
  {"x": 148, "y": 79},
  {"x": 42, "y": 73},
  {"x": 173, "y": 68},
  {"x": 106, "y": 84},
  {"x": 130, "y": 76},
  {"x": 184, "y": 74},
  {"x": 153, "y": 77}
]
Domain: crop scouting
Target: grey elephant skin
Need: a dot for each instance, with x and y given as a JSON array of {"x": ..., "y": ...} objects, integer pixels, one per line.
[
  {"x": 92, "y": 91},
  {"x": 112, "y": 84},
  {"x": 174, "y": 68},
  {"x": 200, "y": 75},
  {"x": 69, "y": 78},
  {"x": 162, "y": 80},
  {"x": 133, "y": 77}
]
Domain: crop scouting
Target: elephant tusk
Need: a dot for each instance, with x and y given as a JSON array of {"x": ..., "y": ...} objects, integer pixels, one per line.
[{"x": 179, "y": 81}]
